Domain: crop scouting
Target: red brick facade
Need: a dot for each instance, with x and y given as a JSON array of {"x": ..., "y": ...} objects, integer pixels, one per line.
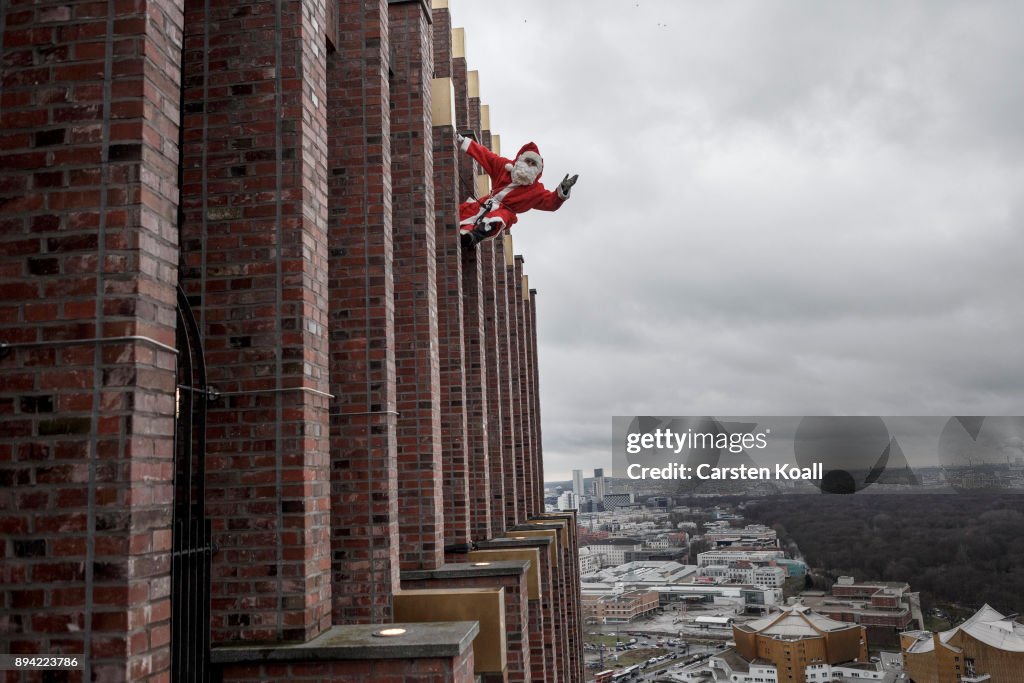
[
  {"x": 364, "y": 476},
  {"x": 421, "y": 670},
  {"x": 454, "y": 437},
  {"x": 375, "y": 388},
  {"x": 254, "y": 255},
  {"x": 501, "y": 447},
  {"x": 88, "y": 198},
  {"x": 416, "y": 307}
]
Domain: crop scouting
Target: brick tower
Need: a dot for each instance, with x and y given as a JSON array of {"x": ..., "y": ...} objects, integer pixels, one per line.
[{"x": 257, "y": 408}]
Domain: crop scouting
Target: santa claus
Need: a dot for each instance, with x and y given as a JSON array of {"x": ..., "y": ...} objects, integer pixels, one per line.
[{"x": 517, "y": 189}]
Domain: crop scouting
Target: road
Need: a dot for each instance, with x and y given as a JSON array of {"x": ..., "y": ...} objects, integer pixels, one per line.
[{"x": 683, "y": 652}]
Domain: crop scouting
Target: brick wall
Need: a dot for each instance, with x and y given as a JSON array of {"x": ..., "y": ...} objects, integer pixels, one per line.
[
  {"x": 479, "y": 472},
  {"x": 532, "y": 505},
  {"x": 538, "y": 447},
  {"x": 492, "y": 259},
  {"x": 255, "y": 249},
  {"x": 511, "y": 453},
  {"x": 364, "y": 500},
  {"x": 535, "y": 485},
  {"x": 88, "y": 249},
  {"x": 520, "y": 473},
  {"x": 491, "y": 256},
  {"x": 420, "y": 670},
  {"x": 451, "y": 339},
  {"x": 557, "y": 602},
  {"x": 576, "y": 605},
  {"x": 476, "y": 348},
  {"x": 416, "y": 308},
  {"x": 572, "y": 607}
]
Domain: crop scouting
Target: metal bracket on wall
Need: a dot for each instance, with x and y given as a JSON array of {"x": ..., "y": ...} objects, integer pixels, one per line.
[{"x": 208, "y": 391}]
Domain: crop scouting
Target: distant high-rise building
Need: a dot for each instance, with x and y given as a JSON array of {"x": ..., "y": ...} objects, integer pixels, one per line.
[
  {"x": 600, "y": 484},
  {"x": 614, "y": 500},
  {"x": 568, "y": 501},
  {"x": 577, "y": 482}
]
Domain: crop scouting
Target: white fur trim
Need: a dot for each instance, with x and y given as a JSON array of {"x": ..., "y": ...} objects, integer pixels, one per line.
[
  {"x": 500, "y": 195},
  {"x": 562, "y": 195},
  {"x": 532, "y": 155},
  {"x": 508, "y": 167},
  {"x": 465, "y": 144}
]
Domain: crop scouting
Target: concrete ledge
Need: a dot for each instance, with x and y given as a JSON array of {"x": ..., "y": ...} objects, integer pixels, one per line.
[
  {"x": 512, "y": 541},
  {"x": 462, "y": 570},
  {"x": 420, "y": 641},
  {"x": 531, "y": 534},
  {"x": 546, "y": 523},
  {"x": 528, "y": 556},
  {"x": 485, "y": 605}
]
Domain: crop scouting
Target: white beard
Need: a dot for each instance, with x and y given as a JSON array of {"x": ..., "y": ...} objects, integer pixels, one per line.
[{"x": 524, "y": 174}]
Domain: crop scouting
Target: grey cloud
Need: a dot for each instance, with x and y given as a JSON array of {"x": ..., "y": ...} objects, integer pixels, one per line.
[{"x": 784, "y": 207}]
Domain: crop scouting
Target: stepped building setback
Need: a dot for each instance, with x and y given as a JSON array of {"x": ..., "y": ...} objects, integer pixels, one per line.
[{"x": 261, "y": 418}]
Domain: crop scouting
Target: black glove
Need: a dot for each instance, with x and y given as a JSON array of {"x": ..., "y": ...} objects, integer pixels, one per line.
[{"x": 565, "y": 186}]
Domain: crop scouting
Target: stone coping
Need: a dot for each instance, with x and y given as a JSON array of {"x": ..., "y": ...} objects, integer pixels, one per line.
[
  {"x": 551, "y": 524},
  {"x": 464, "y": 570},
  {"x": 444, "y": 639},
  {"x": 511, "y": 542}
]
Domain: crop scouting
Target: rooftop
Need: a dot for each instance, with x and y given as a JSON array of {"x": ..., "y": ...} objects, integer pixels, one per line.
[
  {"x": 795, "y": 622},
  {"x": 735, "y": 662},
  {"x": 646, "y": 572},
  {"x": 833, "y": 605},
  {"x": 987, "y": 625},
  {"x": 615, "y": 541}
]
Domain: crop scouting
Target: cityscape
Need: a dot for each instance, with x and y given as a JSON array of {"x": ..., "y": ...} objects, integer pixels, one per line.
[
  {"x": 271, "y": 363},
  {"x": 690, "y": 590}
]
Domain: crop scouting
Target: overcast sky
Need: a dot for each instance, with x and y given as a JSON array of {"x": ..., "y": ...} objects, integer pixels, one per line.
[{"x": 784, "y": 208}]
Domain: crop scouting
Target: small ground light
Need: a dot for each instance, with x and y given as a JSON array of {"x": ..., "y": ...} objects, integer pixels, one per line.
[
  {"x": 389, "y": 632},
  {"x": 519, "y": 538},
  {"x": 481, "y": 564}
]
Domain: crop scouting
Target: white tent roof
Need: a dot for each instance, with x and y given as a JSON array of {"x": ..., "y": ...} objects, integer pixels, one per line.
[
  {"x": 797, "y": 621},
  {"x": 986, "y": 625}
]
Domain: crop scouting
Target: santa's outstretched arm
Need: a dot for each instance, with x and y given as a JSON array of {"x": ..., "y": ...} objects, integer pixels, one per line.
[
  {"x": 552, "y": 200},
  {"x": 492, "y": 164}
]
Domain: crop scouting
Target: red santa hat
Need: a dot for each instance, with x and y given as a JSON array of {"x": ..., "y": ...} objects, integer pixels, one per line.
[{"x": 529, "y": 151}]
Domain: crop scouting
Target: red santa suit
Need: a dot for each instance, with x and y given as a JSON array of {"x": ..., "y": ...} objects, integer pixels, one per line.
[{"x": 497, "y": 212}]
